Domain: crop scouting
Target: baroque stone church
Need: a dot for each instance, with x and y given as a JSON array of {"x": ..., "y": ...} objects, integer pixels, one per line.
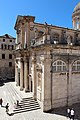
[{"x": 47, "y": 61}]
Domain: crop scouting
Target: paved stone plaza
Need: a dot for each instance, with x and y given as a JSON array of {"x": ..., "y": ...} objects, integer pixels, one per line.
[{"x": 7, "y": 92}]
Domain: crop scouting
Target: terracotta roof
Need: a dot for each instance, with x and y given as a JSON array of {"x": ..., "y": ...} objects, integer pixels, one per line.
[{"x": 7, "y": 36}]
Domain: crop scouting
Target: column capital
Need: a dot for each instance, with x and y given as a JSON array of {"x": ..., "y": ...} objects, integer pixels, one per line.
[
  {"x": 25, "y": 59},
  {"x": 21, "y": 59}
]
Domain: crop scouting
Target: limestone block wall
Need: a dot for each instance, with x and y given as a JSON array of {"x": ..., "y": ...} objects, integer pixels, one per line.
[
  {"x": 59, "y": 89},
  {"x": 75, "y": 87},
  {"x": 5, "y": 70}
]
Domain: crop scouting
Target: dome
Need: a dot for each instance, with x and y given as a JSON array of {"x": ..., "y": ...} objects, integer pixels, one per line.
[{"x": 77, "y": 7}]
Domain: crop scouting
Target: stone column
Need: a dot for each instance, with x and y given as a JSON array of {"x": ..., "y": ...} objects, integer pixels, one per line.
[
  {"x": 78, "y": 25},
  {"x": 26, "y": 72},
  {"x": 74, "y": 24},
  {"x": 34, "y": 77},
  {"x": 17, "y": 36},
  {"x": 16, "y": 74},
  {"x": 22, "y": 35},
  {"x": 21, "y": 74}
]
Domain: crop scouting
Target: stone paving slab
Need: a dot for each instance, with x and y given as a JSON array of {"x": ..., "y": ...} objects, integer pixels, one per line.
[{"x": 30, "y": 115}]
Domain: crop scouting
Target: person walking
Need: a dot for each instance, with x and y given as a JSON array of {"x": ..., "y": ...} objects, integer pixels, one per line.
[
  {"x": 1, "y": 101},
  {"x": 68, "y": 112},
  {"x": 72, "y": 114},
  {"x": 7, "y": 107},
  {"x": 17, "y": 103}
]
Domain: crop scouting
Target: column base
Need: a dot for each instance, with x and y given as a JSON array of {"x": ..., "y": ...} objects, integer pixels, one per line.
[
  {"x": 34, "y": 96},
  {"x": 17, "y": 84},
  {"x": 21, "y": 89},
  {"x": 26, "y": 90}
]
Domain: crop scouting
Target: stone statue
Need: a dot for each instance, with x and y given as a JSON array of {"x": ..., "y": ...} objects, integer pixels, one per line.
[{"x": 69, "y": 39}]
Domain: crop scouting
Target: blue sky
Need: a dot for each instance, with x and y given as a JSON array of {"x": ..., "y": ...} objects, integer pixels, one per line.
[{"x": 55, "y": 12}]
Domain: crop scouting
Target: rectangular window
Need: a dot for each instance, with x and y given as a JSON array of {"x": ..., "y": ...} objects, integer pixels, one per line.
[
  {"x": 2, "y": 46},
  {"x": 8, "y": 47},
  {"x": 10, "y": 64},
  {"x": 5, "y": 46},
  {"x": 10, "y": 40},
  {"x": 10, "y": 56},
  {"x": 12, "y": 47},
  {"x": 3, "y": 40},
  {"x": 3, "y": 56}
]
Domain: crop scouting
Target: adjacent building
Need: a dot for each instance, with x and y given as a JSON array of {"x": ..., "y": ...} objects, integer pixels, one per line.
[
  {"x": 47, "y": 61},
  {"x": 7, "y": 45}
]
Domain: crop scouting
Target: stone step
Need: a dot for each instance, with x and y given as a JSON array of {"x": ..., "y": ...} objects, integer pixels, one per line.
[
  {"x": 28, "y": 100},
  {"x": 18, "y": 95},
  {"x": 25, "y": 110},
  {"x": 27, "y": 104},
  {"x": 26, "y": 107}
]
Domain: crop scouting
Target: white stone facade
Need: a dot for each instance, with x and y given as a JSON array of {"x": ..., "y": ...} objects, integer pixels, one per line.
[{"x": 48, "y": 62}]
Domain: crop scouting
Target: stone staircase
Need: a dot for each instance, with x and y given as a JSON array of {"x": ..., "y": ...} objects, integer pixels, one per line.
[
  {"x": 26, "y": 101},
  {"x": 27, "y": 104}
]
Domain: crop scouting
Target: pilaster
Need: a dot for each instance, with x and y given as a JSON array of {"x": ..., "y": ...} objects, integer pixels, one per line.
[
  {"x": 46, "y": 83},
  {"x": 22, "y": 35},
  {"x": 21, "y": 74},
  {"x": 16, "y": 74},
  {"x": 34, "y": 77},
  {"x": 26, "y": 72},
  {"x": 27, "y": 33}
]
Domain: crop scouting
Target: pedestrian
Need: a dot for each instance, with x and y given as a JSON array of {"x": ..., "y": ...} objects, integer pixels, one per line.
[
  {"x": 7, "y": 107},
  {"x": 17, "y": 102},
  {"x": 72, "y": 114},
  {"x": 1, "y": 101},
  {"x": 15, "y": 105},
  {"x": 68, "y": 112}
]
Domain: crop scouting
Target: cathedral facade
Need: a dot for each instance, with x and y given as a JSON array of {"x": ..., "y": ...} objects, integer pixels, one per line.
[{"x": 47, "y": 61}]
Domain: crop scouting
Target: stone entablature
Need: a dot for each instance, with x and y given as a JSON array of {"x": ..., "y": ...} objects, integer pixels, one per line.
[{"x": 43, "y": 33}]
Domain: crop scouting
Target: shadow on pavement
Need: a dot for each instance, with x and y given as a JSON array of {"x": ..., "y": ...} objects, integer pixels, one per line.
[
  {"x": 10, "y": 114},
  {"x": 63, "y": 111},
  {"x": 3, "y": 81}
]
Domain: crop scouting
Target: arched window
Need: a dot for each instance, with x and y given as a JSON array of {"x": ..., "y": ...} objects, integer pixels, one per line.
[
  {"x": 58, "y": 66},
  {"x": 76, "y": 66}
]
